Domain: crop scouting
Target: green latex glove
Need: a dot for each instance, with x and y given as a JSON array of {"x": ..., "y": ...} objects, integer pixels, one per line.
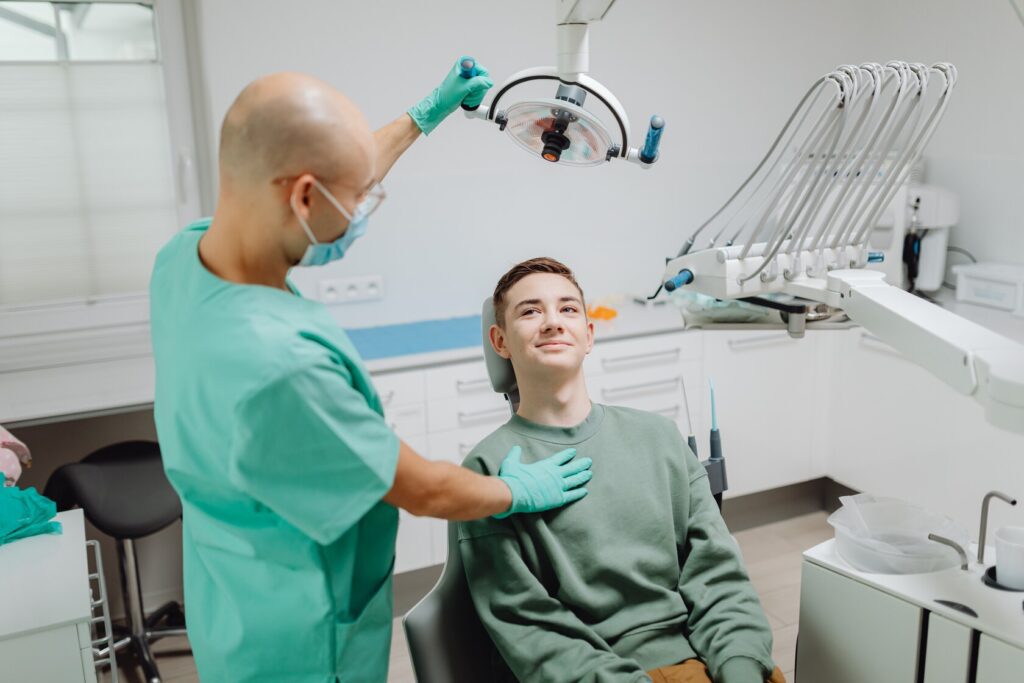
[
  {"x": 446, "y": 98},
  {"x": 24, "y": 513},
  {"x": 546, "y": 484}
]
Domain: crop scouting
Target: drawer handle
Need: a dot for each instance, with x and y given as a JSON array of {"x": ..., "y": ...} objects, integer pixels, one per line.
[
  {"x": 611, "y": 363},
  {"x": 645, "y": 387},
  {"x": 465, "y": 448},
  {"x": 465, "y": 387},
  {"x": 482, "y": 415},
  {"x": 777, "y": 337}
]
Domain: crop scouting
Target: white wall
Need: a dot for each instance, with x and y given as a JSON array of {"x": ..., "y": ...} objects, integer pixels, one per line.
[
  {"x": 978, "y": 150},
  {"x": 465, "y": 204}
]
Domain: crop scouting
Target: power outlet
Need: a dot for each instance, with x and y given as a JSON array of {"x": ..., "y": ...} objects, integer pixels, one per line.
[{"x": 346, "y": 290}]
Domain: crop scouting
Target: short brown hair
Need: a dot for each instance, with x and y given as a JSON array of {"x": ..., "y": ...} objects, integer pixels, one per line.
[{"x": 541, "y": 264}]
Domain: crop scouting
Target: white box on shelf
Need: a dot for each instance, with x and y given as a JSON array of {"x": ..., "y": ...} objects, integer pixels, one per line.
[{"x": 998, "y": 285}]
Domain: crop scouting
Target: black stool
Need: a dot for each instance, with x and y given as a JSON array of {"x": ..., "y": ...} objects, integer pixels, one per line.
[{"x": 124, "y": 493}]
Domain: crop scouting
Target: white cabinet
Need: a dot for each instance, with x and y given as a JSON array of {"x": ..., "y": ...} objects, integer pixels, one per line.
[
  {"x": 900, "y": 628},
  {"x": 999, "y": 662},
  {"x": 948, "y": 651},
  {"x": 45, "y": 620},
  {"x": 769, "y": 403},
  {"x": 660, "y": 374},
  {"x": 852, "y": 633}
]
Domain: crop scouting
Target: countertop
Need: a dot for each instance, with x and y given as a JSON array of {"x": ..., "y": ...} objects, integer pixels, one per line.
[{"x": 999, "y": 612}]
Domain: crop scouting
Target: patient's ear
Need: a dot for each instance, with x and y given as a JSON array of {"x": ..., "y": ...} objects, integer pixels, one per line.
[
  {"x": 498, "y": 342},
  {"x": 590, "y": 336}
]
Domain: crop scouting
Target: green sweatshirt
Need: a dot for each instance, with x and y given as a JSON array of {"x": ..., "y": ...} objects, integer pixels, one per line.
[{"x": 640, "y": 574}]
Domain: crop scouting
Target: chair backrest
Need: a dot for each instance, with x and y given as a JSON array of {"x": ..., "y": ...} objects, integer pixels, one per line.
[
  {"x": 503, "y": 377},
  {"x": 447, "y": 642}
]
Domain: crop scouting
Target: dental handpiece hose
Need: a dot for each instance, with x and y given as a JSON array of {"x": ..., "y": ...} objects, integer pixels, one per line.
[
  {"x": 691, "y": 440},
  {"x": 715, "y": 444}
]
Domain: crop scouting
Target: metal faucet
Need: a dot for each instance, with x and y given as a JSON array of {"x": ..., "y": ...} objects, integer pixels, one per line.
[
  {"x": 984, "y": 519},
  {"x": 954, "y": 545}
]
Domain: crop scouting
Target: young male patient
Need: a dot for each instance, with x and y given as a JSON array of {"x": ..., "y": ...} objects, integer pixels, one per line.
[{"x": 640, "y": 579}]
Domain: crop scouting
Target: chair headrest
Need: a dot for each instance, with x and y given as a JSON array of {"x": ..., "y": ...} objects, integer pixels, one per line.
[{"x": 503, "y": 378}]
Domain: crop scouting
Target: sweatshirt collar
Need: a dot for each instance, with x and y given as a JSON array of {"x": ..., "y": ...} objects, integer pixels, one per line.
[{"x": 566, "y": 436}]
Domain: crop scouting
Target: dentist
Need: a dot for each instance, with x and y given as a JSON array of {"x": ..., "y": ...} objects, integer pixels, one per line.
[{"x": 271, "y": 431}]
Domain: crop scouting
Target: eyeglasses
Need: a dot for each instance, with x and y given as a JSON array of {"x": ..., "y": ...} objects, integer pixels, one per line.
[{"x": 372, "y": 197}]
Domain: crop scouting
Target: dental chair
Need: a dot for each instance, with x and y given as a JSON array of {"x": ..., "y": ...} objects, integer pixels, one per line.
[{"x": 446, "y": 640}]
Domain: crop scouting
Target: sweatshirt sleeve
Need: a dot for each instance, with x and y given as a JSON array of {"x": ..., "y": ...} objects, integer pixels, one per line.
[
  {"x": 537, "y": 636},
  {"x": 726, "y": 619}
]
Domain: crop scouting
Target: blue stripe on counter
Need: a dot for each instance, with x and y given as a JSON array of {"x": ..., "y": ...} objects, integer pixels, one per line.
[{"x": 407, "y": 339}]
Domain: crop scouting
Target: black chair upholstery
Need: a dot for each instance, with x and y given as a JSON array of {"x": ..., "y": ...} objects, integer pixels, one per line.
[
  {"x": 446, "y": 640},
  {"x": 124, "y": 493},
  {"x": 121, "y": 488}
]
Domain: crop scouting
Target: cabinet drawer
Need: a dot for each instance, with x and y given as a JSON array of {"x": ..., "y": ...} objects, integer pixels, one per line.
[
  {"x": 883, "y": 648},
  {"x": 50, "y": 655},
  {"x": 407, "y": 420},
  {"x": 400, "y": 388},
  {"x": 948, "y": 651},
  {"x": 88, "y": 665},
  {"x": 670, "y": 406},
  {"x": 618, "y": 390},
  {"x": 486, "y": 410},
  {"x": 629, "y": 355},
  {"x": 459, "y": 380},
  {"x": 454, "y": 445},
  {"x": 998, "y": 662}
]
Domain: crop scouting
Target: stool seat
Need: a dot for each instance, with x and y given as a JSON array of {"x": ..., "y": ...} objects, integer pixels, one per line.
[{"x": 121, "y": 488}]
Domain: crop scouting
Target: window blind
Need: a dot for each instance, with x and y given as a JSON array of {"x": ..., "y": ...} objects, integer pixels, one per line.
[{"x": 87, "y": 192}]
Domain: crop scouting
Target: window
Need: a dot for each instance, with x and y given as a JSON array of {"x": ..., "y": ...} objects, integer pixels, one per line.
[{"x": 87, "y": 164}]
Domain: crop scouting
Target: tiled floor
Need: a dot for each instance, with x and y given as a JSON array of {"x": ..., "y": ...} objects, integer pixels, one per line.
[{"x": 772, "y": 553}]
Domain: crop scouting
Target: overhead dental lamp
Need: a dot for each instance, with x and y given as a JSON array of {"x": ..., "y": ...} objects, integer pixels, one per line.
[
  {"x": 796, "y": 233},
  {"x": 562, "y": 129}
]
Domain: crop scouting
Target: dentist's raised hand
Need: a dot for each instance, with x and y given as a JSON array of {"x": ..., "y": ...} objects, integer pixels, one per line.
[
  {"x": 455, "y": 90},
  {"x": 546, "y": 484}
]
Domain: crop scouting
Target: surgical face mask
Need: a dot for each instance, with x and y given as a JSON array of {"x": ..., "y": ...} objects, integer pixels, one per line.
[{"x": 319, "y": 253}]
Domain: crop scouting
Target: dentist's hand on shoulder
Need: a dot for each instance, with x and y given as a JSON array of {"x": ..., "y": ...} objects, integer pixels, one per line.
[
  {"x": 436, "y": 488},
  {"x": 546, "y": 484}
]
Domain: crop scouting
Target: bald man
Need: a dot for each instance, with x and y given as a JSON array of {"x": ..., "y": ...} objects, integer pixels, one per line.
[{"x": 271, "y": 431}]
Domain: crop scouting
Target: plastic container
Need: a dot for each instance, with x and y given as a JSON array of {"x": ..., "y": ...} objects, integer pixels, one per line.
[
  {"x": 997, "y": 285},
  {"x": 890, "y": 536}
]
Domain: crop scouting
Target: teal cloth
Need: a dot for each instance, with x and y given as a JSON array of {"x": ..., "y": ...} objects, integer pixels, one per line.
[{"x": 24, "y": 513}]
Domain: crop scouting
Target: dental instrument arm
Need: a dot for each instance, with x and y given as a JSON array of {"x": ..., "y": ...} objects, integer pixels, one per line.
[
  {"x": 968, "y": 357},
  {"x": 819, "y": 251}
]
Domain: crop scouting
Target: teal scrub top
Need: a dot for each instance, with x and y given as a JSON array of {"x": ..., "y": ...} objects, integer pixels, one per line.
[{"x": 273, "y": 436}]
